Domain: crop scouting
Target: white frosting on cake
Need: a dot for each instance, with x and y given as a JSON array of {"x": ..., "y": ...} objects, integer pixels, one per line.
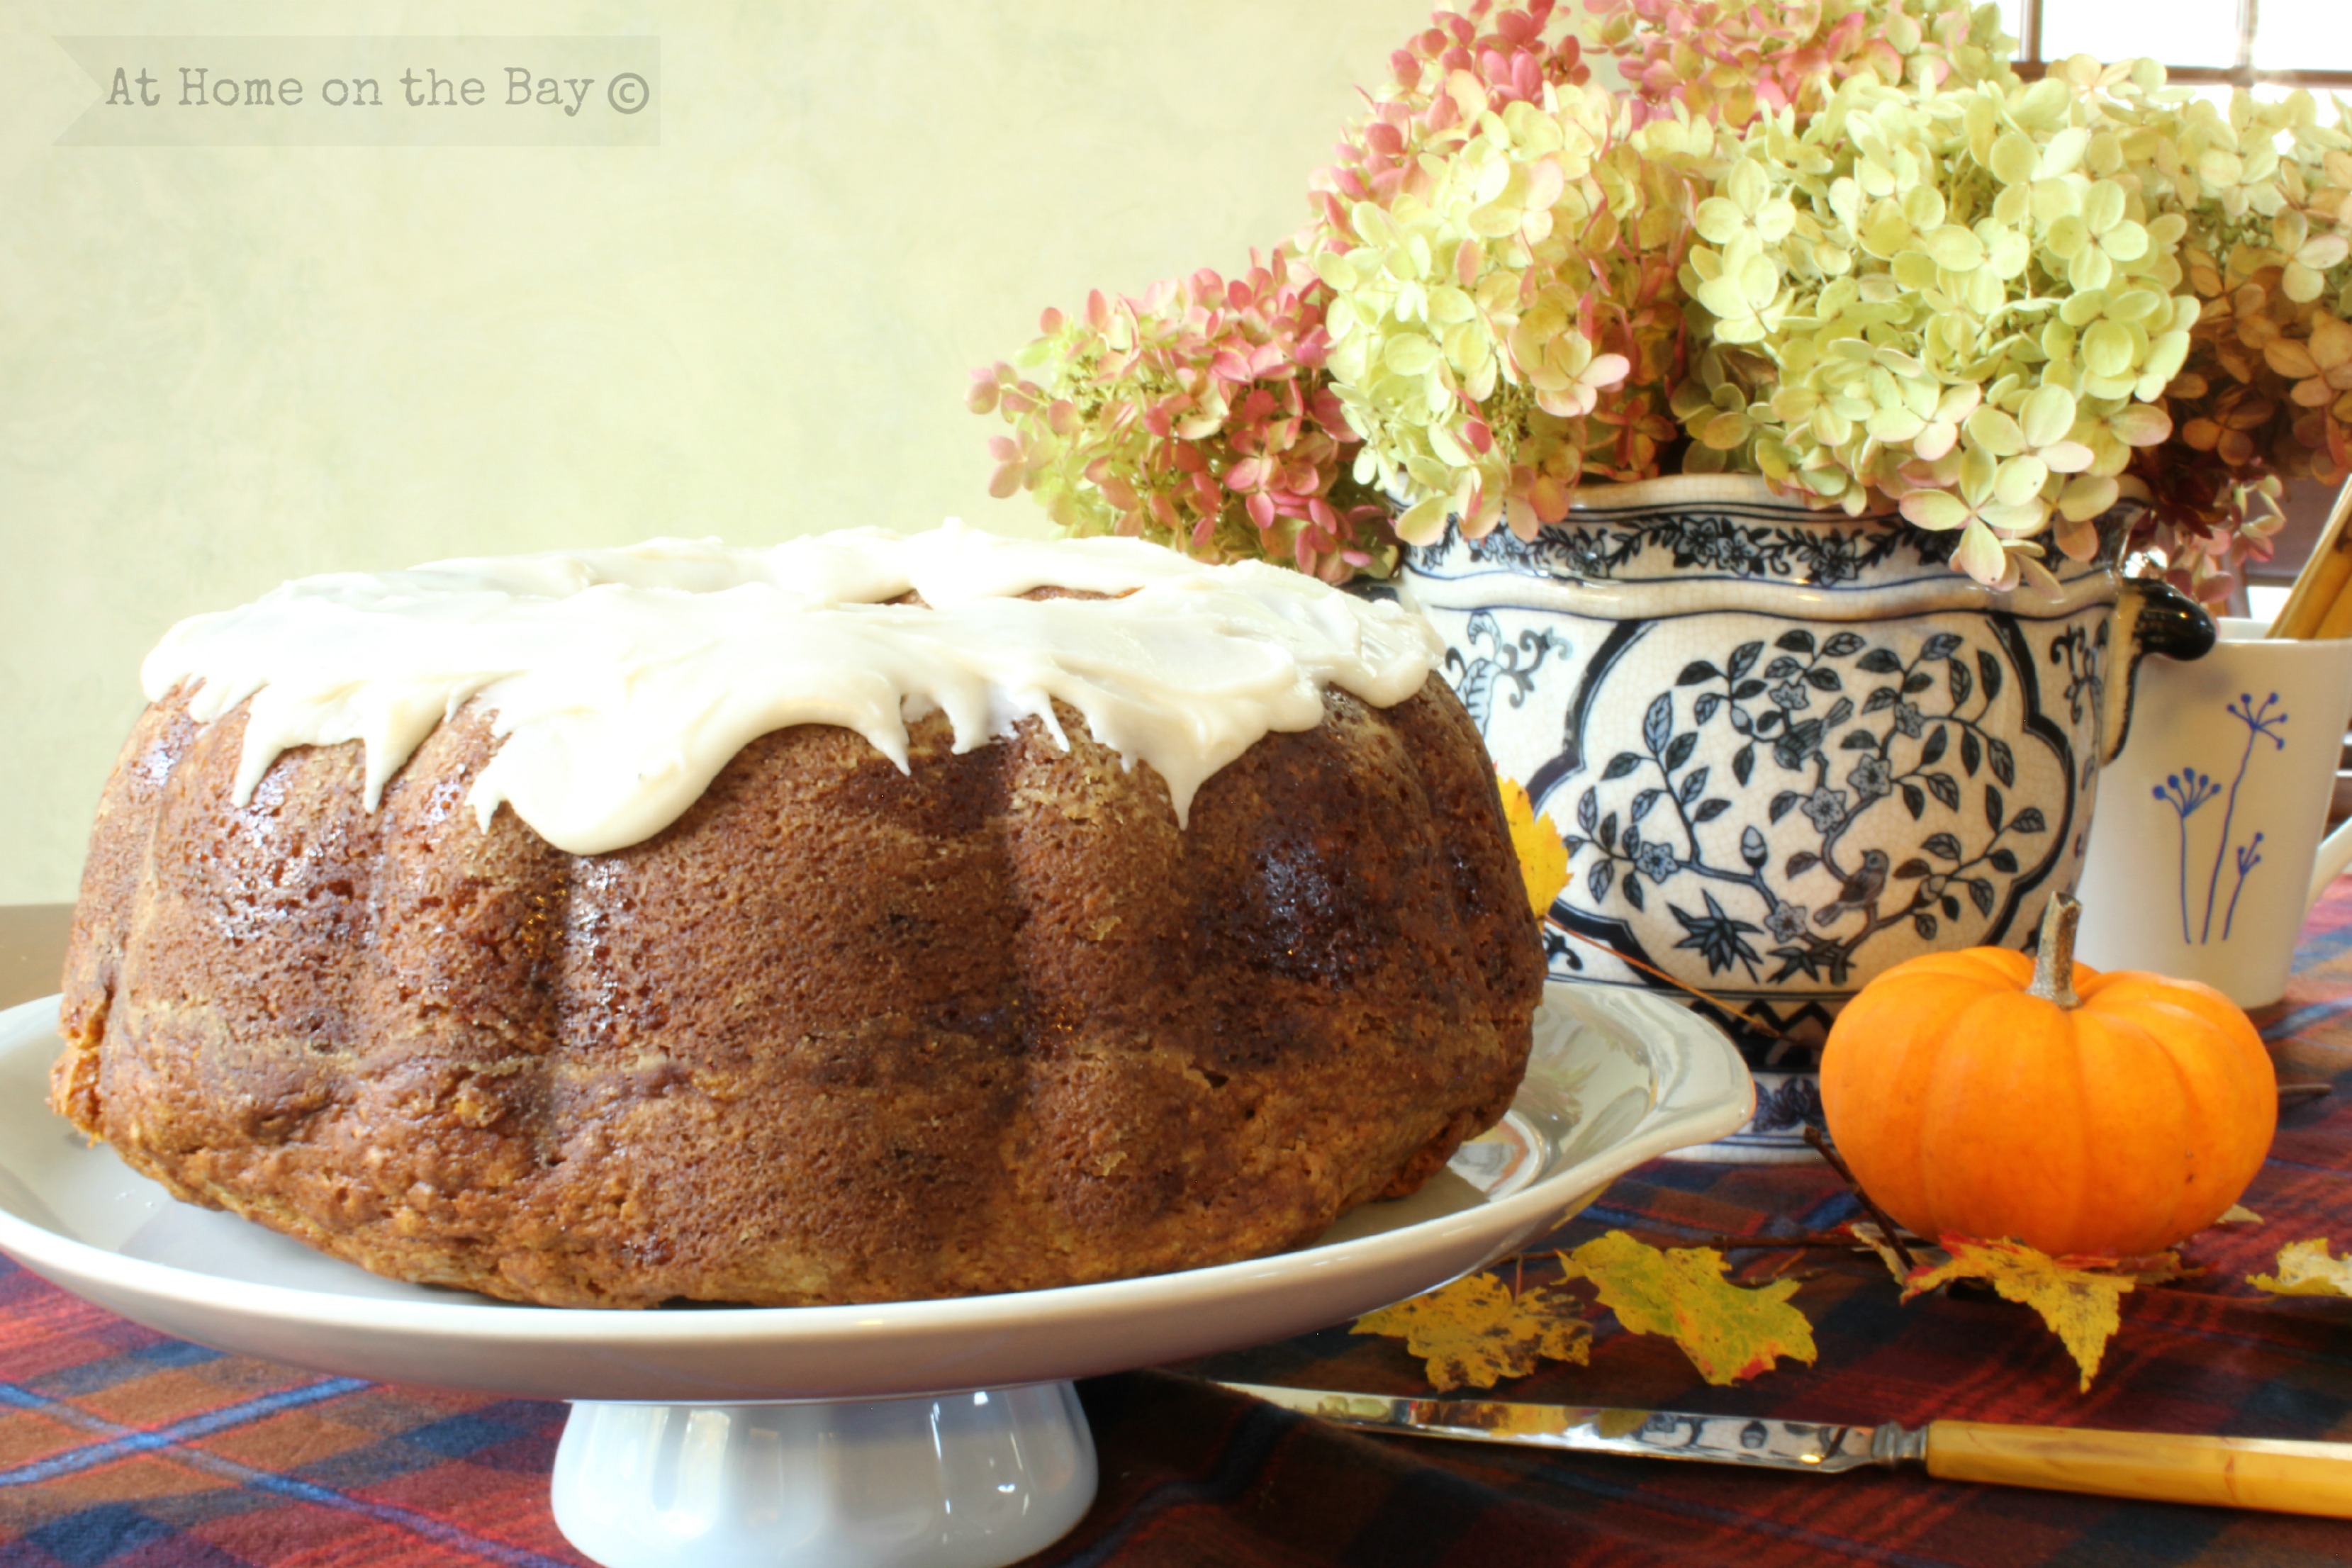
[{"x": 622, "y": 680}]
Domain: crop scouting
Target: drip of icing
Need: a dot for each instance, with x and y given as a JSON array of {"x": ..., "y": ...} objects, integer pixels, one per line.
[{"x": 620, "y": 681}]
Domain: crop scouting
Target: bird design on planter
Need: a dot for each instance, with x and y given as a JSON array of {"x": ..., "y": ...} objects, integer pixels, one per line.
[{"x": 1860, "y": 892}]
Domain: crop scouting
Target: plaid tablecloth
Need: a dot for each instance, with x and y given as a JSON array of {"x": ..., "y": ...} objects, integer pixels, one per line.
[{"x": 119, "y": 1445}]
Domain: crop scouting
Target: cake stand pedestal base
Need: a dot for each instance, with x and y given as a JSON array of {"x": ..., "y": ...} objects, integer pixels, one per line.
[{"x": 949, "y": 1481}]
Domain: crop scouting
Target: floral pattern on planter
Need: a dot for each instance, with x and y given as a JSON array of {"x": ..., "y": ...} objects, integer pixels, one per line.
[
  {"x": 1784, "y": 750},
  {"x": 1723, "y": 541},
  {"x": 1786, "y": 1104},
  {"x": 1508, "y": 666},
  {"x": 1849, "y": 729}
]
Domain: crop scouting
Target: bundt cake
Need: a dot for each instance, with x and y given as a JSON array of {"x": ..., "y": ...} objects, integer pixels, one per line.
[{"x": 862, "y": 918}]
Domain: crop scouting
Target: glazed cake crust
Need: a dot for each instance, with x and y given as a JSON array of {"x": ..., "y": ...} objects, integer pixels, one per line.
[{"x": 840, "y": 1034}]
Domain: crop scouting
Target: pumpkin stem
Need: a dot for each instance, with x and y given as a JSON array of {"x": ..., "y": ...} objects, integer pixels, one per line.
[{"x": 2053, "y": 964}]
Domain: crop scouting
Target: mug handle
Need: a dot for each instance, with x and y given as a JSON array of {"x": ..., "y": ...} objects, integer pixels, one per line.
[{"x": 2335, "y": 855}]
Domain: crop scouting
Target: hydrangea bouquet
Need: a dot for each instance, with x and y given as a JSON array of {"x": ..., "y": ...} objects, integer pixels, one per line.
[{"x": 1840, "y": 243}]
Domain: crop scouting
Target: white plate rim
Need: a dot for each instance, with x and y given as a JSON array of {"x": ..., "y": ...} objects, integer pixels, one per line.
[{"x": 1703, "y": 1093}]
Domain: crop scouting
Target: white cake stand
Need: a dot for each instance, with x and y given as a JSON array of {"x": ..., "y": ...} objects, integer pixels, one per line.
[{"x": 922, "y": 1433}]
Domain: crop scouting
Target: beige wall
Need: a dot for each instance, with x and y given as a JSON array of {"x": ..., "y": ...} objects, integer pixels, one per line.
[{"x": 221, "y": 367}]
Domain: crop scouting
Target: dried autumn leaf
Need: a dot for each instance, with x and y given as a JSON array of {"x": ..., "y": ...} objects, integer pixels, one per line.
[
  {"x": 1476, "y": 1330},
  {"x": 1543, "y": 854},
  {"x": 2239, "y": 1214},
  {"x": 2077, "y": 1296},
  {"x": 1868, "y": 1234},
  {"x": 1729, "y": 1331},
  {"x": 2154, "y": 1269},
  {"x": 2305, "y": 1269}
]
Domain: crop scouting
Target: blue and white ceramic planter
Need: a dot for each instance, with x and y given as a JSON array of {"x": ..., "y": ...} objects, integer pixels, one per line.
[{"x": 1785, "y": 750}]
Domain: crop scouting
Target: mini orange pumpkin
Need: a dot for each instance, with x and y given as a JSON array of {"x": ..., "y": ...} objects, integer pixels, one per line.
[{"x": 1985, "y": 1094}]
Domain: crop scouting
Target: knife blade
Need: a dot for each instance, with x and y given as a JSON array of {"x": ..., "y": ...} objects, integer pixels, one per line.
[
  {"x": 1591, "y": 1430},
  {"x": 2228, "y": 1472}
]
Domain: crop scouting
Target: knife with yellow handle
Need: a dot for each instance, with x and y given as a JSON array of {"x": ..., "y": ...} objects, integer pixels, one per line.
[{"x": 2227, "y": 1472}]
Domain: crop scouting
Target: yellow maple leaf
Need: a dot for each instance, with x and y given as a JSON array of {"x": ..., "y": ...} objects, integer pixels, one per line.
[
  {"x": 1476, "y": 1330},
  {"x": 2077, "y": 1296},
  {"x": 1729, "y": 1331},
  {"x": 2305, "y": 1269},
  {"x": 1543, "y": 853}
]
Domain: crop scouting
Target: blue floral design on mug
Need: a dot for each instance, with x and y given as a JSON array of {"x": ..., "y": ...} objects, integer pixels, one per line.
[{"x": 2188, "y": 792}]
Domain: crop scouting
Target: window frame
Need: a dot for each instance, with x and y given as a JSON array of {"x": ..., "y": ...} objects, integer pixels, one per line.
[{"x": 2245, "y": 73}]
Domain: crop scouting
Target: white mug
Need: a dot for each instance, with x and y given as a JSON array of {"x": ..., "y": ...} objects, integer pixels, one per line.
[{"x": 2205, "y": 850}]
